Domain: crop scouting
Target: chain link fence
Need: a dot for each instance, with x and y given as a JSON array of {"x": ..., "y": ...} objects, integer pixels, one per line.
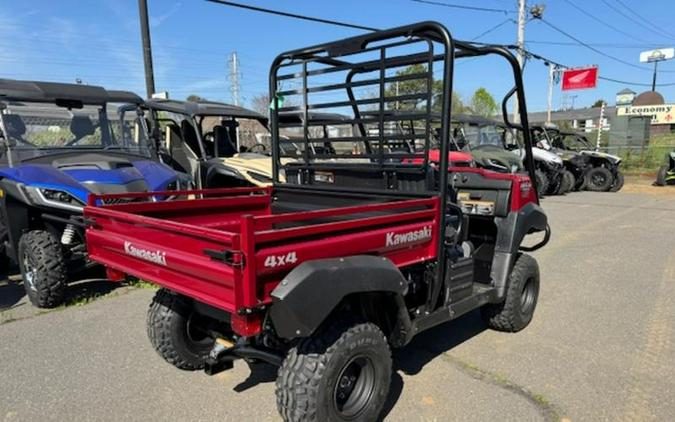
[{"x": 643, "y": 159}]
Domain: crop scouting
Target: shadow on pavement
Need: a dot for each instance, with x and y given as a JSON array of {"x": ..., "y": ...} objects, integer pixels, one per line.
[
  {"x": 88, "y": 285},
  {"x": 10, "y": 295},
  {"x": 426, "y": 347},
  {"x": 410, "y": 360}
]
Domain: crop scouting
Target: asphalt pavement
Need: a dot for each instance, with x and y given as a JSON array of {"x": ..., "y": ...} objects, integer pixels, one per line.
[{"x": 601, "y": 345}]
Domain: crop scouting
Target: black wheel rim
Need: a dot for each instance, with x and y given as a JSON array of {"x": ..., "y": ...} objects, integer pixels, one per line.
[
  {"x": 599, "y": 179},
  {"x": 196, "y": 332},
  {"x": 354, "y": 387},
  {"x": 528, "y": 296},
  {"x": 29, "y": 272}
]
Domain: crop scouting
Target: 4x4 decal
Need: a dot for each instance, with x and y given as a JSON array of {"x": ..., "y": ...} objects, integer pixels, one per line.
[{"x": 273, "y": 261}]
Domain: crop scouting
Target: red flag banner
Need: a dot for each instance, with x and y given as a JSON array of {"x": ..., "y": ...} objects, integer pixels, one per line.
[{"x": 582, "y": 78}]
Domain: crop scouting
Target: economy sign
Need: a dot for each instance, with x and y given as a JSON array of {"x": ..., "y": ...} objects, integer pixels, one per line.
[
  {"x": 581, "y": 78},
  {"x": 660, "y": 114},
  {"x": 657, "y": 55}
]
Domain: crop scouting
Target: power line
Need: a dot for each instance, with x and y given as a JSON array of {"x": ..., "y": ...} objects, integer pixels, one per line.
[
  {"x": 293, "y": 15},
  {"x": 461, "y": 6},
  {"x": 602, "y": 22},
  {"x": 590, "y": 47},
  {"x": 547, "y": 61},
  {"x": 645, "y": 20},
  {"x": 632, "y": 19},
  {"x": 494, "y": 28},
  {"x": 607, "y": 45}
]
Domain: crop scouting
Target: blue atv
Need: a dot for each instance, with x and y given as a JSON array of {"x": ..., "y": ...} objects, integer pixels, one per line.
[{"x": 61, "y": 142}]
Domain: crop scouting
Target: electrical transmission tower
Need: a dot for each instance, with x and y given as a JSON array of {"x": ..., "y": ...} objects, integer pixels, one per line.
[{"x": 234, "y": 78}]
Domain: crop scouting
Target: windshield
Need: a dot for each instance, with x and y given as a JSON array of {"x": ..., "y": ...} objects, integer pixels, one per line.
[{"x": 36, "y": 129}]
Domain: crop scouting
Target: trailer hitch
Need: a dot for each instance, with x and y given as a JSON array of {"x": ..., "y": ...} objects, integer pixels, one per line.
[{"x": 225, "y": 352}]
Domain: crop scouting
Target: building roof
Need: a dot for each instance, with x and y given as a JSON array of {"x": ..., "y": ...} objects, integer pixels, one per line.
[
  {"x": 49, "y": 92},
  {"x": 625, "y": 91},
  {"x": 203, "y": 108},
  {"x": 574, "y": 114}
]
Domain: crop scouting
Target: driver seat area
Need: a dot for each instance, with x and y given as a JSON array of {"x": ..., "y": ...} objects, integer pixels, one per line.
[{"x": 224, "y": 147}]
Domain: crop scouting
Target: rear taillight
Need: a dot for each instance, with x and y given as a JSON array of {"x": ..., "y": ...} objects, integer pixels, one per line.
[
  {"x": 522, "y": 193},
  {"x": 114, "y": 275},
  {"x": 247, "y": 325}
]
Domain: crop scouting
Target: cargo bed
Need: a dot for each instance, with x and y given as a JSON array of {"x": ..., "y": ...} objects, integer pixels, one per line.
[{"x": 231, "y": 247}]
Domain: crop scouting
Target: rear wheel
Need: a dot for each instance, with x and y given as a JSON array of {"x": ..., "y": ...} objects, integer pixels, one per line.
[
  {"x": 599, "y": 179},
  {"x": 176, "y": 332},
  {"x": 542, "y": 182},
  {"x": 661, "y": 176},
  {"x": 42, "y": 268},
  {"x": 618, "y": 183},
  {"x": 516, "y": 312},
  {"x": 342, "y": 373}
]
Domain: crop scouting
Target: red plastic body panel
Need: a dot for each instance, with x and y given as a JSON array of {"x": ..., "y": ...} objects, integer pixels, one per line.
[
  {"x": 522, "y": 191},
  {"x": 168, "y": 242}
]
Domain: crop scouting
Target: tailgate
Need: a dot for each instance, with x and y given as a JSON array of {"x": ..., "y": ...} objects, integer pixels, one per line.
[{"x": 182, "y": 257}]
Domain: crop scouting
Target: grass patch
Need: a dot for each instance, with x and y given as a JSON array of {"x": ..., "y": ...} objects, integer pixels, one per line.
[
  {"x": 141, "y": 284},
  {"x": 651, "y": 158}
]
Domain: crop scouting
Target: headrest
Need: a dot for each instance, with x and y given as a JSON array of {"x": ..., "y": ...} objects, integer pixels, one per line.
[{"x": 82, "y": 126}]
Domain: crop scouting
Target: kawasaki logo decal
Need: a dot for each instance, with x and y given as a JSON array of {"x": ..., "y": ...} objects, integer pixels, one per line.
[
  {"x": 158, "y": 257},
  {"x": 395, "y": 239}
]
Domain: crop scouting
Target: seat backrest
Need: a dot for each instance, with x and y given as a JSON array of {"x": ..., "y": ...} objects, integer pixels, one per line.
[
  {"x": 15, "y": 126},
  {"x": 223, "y": 143},
  {"x": 189, "y": 136},
  {"x": 81, "y": 126}
]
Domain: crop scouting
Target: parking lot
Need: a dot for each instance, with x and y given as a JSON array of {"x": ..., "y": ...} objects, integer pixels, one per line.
[{"x": 601, "y": 345}]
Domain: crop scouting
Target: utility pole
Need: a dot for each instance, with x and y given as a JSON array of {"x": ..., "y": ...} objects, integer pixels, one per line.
[
  {"x": 522, "y": 16},
  {"x": 147, "y": 48},
  {"x": 602, "y": 117},
  {"x": 654, "y": 78},
  {"x": 551, "y": 74},
  {"x": 234, "y": 78}
]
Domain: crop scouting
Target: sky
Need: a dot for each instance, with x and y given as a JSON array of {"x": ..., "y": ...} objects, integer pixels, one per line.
[{"x": 98, "y": 42}]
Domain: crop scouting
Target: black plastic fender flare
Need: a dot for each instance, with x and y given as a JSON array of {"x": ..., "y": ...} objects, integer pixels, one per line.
[
  {"x": 312, "y": 290},
  {"x": 510, "y": 233}
]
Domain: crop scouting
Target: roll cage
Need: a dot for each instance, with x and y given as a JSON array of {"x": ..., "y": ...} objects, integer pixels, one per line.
[{"x": 363, "y": 63}]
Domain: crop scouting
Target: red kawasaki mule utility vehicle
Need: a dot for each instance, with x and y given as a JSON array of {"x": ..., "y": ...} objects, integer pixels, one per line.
[{"x": 356, "y": 252}]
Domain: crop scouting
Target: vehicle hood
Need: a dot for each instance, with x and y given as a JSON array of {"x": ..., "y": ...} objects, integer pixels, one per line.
[
  {"x": 542, "y": 155},
  {"x": 497, "y": 159},
  {"x": 255, "y": 168},
  {"x": 613, "y": 158},
  {"x": 140, "y": 176}
]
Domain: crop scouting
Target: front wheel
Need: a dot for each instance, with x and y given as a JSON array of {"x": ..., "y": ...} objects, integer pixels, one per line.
[
  {"x": 516, "y": 312},
  {"x": 618, "y": 183},
  {"x": 42, "y": 268},
  {"x": 599, "y": 179},
  {"x": 542, "y": 182},
  {"x": 341, "y": 373},
  {"x": 661, "y": 176},
  {"x": 566, "y": 183},
  {"x": 177, "y": 333}
]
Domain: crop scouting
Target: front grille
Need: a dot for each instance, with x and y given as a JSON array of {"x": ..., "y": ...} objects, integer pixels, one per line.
[{"x": 115, "y": 201}]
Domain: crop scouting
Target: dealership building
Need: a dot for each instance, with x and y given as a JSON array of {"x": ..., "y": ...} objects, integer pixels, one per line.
[{"x": 632, "y": 121}]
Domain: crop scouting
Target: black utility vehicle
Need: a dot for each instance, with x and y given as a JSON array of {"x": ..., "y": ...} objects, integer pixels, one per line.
[{"x": 603, "y": 172}]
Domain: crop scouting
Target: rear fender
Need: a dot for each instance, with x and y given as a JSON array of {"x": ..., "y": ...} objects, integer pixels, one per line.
[
  {"x": 511, "y": 231},
  {"x": 310, "y": 293}
]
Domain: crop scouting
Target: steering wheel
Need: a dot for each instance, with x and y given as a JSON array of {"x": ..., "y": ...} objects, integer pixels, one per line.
[{"x": 258, "y": 148}]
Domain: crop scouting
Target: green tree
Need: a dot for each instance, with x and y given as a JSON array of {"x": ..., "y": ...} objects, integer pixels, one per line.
[
  {"x": 598, "y": 103},
  {"x": 195, "y": 98},
  {"x": 482, "y": 103},
  {"x": 419, "y": 86}
]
